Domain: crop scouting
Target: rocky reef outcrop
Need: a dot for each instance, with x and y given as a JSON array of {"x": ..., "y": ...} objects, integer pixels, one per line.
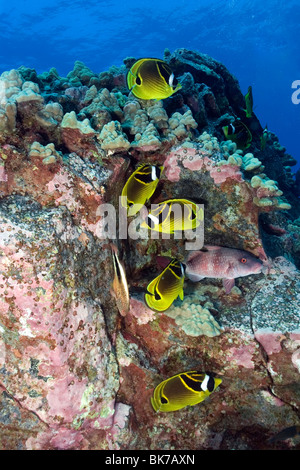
[{"x": 74, "y": 374}]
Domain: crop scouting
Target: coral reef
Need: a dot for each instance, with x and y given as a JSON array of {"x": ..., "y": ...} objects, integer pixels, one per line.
[
  {"x": 73, "y": 373},
  {"x": 194, "y": 319},
  {"x": 111, "y": 137},
  {"x": 47, "y": 153}
]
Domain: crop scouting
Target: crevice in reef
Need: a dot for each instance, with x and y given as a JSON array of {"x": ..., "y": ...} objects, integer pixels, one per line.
[
  {"x": 267, "y": 364},
  {"x": 20, "y": 405}
]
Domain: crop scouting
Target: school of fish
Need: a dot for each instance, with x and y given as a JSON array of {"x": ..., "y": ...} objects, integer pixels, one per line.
[{"x": 150, "y": 78}]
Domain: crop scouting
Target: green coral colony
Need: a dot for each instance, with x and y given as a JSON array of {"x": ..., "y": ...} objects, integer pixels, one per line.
[{"x": 141, "y": 122}]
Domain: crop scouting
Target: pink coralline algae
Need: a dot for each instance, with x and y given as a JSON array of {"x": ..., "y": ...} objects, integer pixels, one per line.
[
  {"x": 189, "y": 157},
  {"x": 197, "y": 160},
  {"x": 140, "y": 311},
  {"x": 62, "y": 379},
  {"x": 59, "y": 438},
  {"x": 3, "y": 174},
  {"x": 221, "y": 174},
  {"x": 74, "y": 374},
  {"x": 271, "y": 341},
  {"x": 242, "y": 356}
]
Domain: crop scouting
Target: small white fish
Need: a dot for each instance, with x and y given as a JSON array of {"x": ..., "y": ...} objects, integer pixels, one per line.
[{"x": 120, "y": 289}]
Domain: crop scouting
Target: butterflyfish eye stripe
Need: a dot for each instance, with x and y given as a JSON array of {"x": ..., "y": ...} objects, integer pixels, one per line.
[
  {"x": 210, "y": 384},
  {"x": 158, "y": 171}
]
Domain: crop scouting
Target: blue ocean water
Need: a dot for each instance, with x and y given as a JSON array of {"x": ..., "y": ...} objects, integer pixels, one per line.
[{"x": 258, "y": 41}]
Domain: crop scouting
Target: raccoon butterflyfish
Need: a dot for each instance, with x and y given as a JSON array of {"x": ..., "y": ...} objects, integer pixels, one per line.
[
  {"x": 152, "y": 79},
  {"x": 119, "y": 286},
  {"x": 249, "y": 102},
  {"x": 187, "y": 388},
  {"x": 239, "y": 133},
  {"x": 140, "y": 186},
  {"x": 264, "y": 137},
  {"x": 165, "y": 288},
  {"x": 173, "y": 214}
]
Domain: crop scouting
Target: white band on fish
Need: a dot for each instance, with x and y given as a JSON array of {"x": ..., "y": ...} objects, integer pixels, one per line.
[
  {"x": 154, "y": 219},
  {"x": 171, "y": 79},
  {"x": 204, "y": 383},
  {"x": 153, "y": 173}
]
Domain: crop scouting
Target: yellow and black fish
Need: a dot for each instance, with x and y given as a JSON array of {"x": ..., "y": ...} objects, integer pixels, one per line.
[
  {"x": 140, "y": 186},
  {"x": 119, "y": 286},
  {"x": 165, "y": 288},
  {"x": 187, "y": 388},
  {"x": 239, "y": 133},
  {"x": 264, "y": 137},
  {"x": 152, "y": 79},
  {"x": 249, "y": 102},
  {"x": 174, "y": 214}
]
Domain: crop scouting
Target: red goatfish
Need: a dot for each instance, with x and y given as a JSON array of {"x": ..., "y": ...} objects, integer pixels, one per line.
[
  {"x": 119, "y": 286},
  {"x": 220, "y": 262}
]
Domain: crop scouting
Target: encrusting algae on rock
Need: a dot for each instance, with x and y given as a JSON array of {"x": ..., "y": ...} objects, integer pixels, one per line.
[{"x": 74, "y": 373}]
